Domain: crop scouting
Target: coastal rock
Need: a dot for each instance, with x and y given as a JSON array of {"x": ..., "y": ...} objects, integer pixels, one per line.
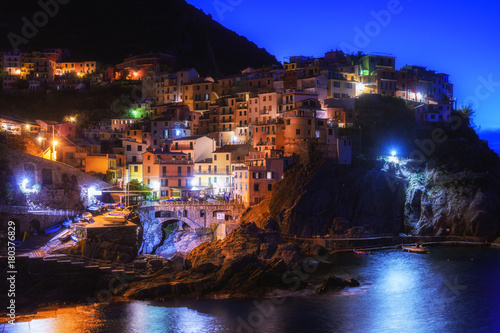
[
  {"x": 375, "y": 197},
  {"x": 332, "y": 199},
  {"x": 464, "y": 204},
  {"x": 334, "y": 282},
  {"x": 249, "y": 261}
]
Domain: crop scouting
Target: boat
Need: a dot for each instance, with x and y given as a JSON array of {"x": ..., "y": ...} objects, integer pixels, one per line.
[
  {"x": 361, "y": 252},
  {"x": 86, "y": 216},
  {"x": 115, "y": 217},
  {"x": 52, "y": 229},
  {"x": 73, "y": 237},
  {"x": 66, "y": 223},
  {"x": 415, "y": 249},
  {"x": 65, "y": 235}
]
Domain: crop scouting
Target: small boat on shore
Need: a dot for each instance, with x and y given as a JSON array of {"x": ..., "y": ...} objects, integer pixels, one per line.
[
  {"x": 87, "y": 216},
  {"x": 73, "y": 237},
  {"x": 415, "y": 249},
  {"x": 115, "y": 217},
  {"x": 66, "y": 223},
  {"x": 52, "y": 229},
  {"x": 361, "y": 252},
  {"x": 65, "y": 235}
]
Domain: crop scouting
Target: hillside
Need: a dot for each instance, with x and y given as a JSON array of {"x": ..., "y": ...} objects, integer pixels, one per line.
[
  {"x": 133, "y": 27},
  {"x": 454, "y": 191}
]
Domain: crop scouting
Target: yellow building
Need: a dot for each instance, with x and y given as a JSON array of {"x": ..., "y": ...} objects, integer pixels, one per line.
[
  {"x": 199, "y": 95},
  {"x": 135, "y": 172}
]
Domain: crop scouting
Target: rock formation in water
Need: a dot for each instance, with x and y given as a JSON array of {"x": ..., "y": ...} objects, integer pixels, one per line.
[{"x": 249, "y": 261}]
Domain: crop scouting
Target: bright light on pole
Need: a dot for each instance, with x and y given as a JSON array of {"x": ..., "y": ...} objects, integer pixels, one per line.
[
  {"x": 360, "y": 88},
  {"x": 54, "y": 156},
  {"x": 393, "y": 158}
]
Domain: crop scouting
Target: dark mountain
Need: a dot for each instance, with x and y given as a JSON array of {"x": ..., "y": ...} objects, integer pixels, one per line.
[{"x": 111, "y": 30}]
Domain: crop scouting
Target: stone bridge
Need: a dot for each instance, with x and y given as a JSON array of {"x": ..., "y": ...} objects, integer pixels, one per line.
[
  {"x": 25, "y": 218},
  {"x": 197, "y": 214}
]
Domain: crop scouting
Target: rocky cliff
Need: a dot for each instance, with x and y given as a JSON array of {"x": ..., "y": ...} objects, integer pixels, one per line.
[
  {"x": 333, "y": 199},
  {"x": 465, "y": 203},
  {"x": 378, "y": 197}
]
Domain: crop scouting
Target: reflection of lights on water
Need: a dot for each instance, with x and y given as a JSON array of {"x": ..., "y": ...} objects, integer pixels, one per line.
[
  {"x": 148, "y": 318},
  {"x": 61, "y": 320}
]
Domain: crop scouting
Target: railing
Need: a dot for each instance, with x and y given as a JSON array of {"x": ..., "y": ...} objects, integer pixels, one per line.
[
  {"x": 217, "y": 173},
  {"x": 174, "y": 162},
  {"x": 327, "y": 237},
  {"x": 193, "y": 203},
  {"x": 175, "y": 174},
  {"x": 49, "y": 211}
]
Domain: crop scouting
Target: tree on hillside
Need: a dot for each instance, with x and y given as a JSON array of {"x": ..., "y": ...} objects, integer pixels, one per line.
[{"x": 469, "y": 114}]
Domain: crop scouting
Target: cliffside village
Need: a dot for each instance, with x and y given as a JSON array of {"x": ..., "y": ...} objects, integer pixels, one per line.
[{"x": 186, "y": 136}]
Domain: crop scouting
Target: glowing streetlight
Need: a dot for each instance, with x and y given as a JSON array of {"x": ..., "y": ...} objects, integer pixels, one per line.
[
  {"x": 360, "y": 88},
  {"x": 393, "y": 158},
  {"x": 54, "y": 155},
  {"x": 135, "y": 74},
  {"x": 72, "y": 119},
  {"x": 40, "y": 139}
]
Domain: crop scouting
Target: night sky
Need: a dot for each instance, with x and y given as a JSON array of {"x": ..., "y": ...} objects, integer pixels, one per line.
[{"x": 460, "y": 38}]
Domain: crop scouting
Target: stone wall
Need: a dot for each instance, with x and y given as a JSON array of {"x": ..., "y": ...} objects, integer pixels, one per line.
[
  {"x": 119, "y": 244},
  {"x": 310, "y": 149}
]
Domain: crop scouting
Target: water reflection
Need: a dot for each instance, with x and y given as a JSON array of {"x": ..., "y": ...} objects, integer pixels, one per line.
[{"x": 444, "y": 291}]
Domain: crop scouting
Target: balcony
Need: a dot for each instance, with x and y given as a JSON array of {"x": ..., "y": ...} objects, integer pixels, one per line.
[
  {"x": 173, "y": 162},
  {"x": 176, "y": 174},
  {"x": 211, "y": 172}
]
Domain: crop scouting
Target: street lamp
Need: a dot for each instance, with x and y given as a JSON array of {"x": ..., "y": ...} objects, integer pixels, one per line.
[{"x": 54, "y": 156}]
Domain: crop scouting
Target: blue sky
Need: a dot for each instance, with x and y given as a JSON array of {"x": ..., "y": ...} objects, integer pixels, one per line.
[{"x": 460, "y": 38}]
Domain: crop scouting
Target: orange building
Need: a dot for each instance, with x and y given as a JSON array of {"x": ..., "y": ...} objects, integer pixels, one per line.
[{"x": 168, "y": 174}]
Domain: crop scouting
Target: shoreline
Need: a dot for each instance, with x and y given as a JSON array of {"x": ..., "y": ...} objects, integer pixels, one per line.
[{"x": 57, "y": 304}]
